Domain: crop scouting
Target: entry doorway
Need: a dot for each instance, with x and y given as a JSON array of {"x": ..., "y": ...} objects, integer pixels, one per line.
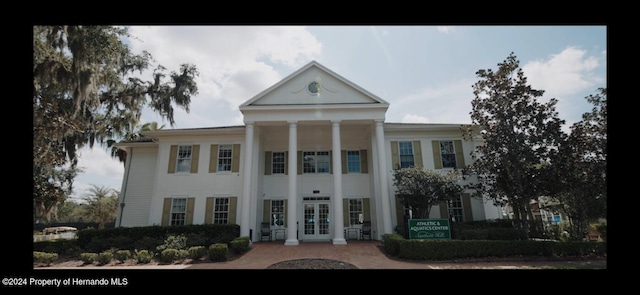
[{"x": 317, "y": 220}]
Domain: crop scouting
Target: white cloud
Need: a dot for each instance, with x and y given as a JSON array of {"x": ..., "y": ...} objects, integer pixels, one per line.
[
  {"x": 568, "y": 77},
  {"x": 411, "y": 118},
  {"x": 449, "y": 103},
  {"x": 235, "y": 63},
  {"x": 445, "y": 29},
  {"x": 566, "y": 73}
]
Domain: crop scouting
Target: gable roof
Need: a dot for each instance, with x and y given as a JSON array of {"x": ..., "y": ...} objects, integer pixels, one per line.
[{"x": 338, "y": 89}]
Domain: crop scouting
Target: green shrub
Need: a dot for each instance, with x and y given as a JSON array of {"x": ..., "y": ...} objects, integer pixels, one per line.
[
  {"x": 88, "y": 257},
  {"x": 44, "y": 257},
  {"x": 122, "y": 255},
  {"x": 183, "y": 254},
  {"x": 178, "y": 242},
  {"x": 218, "y": 252},
  {"x": 105, "y": 257},
  {"x": 144, "y": 256},
  {"x": 197, "y": 252},
  {"x": 240, "y": 245},
  {"x": 169, "y": 255}
]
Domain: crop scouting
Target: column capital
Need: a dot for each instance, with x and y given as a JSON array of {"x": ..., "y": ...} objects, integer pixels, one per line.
[
  {"x": 379, "y": 121},
  {"x": 292, "y": 122},
  {"x": 336, "y": 121},
  {"x": 249, "y": 122}
]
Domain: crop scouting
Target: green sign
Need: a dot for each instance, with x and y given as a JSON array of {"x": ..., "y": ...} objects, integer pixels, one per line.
[{"x": 429, "y": 229}]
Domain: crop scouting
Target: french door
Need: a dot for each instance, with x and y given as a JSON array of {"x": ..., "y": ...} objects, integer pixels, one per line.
[{"x": 317, "y": 222}]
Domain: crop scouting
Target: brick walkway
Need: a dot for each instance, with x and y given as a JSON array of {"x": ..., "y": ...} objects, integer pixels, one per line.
[{"x": 362, "y": 254}]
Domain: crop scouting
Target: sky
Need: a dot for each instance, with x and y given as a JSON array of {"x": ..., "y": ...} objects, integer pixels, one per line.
[{"x": 425, "y": 73}]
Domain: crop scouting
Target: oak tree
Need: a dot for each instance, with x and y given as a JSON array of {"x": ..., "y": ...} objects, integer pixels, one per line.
[{"x": 86, "y": 88}]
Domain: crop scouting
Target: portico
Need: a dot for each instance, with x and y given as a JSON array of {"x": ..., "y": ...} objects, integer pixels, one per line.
[{"x": 322, "y": 123}]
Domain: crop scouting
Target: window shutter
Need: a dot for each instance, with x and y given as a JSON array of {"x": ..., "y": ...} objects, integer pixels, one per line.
[
  {"x": 417, "y": 154},
  {"x": 395, "y": 158},
  {"x": 213, "y": 159},
  {"x": 459, "y": 154},
  {"x": 286, "y": 163},
  {"x": 266, "y": 210},
  {"x": 343, "y": 160},
  {"x": 267, "y": 163},
  {"x": 299, "y": 162},
  {"x": 190, "y": 204},
  {"x": 399, "y": 211},
  {"x": 195, "y": 157},
  {"x": 364, "y": 162},
  {"x": 345, "y": 212},
  {"x": 285, "y": 214},
  {"x": 166, "y": 211},
  {"x": 208, "y": 213},
  {"x": 233, "y": 210},
  {"x": 235, "y": 158},
  {"x": 366, "y": 209},
  {"x": 173, "y": 155},
  {"x": 466, "y": 207},
  {"x": 330, "y": 162},
  {"x": 444, "y": 210},
  {"x": 437, "y": 157}
]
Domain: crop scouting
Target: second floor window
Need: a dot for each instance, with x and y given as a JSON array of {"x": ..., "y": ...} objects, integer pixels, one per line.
[
  {"x": 315, "y": 162},
  {"x": 353, "y": 161},
  {"x": 406, "y": 154},
  {"x": 184, "y": 158},
  {"x": 448, "y": 154},
  {"x": 278, "y": 163},
  {"x": 224, "y": 157}
]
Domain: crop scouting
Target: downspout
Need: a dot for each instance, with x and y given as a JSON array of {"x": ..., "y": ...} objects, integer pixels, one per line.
[{"x": 124, "y": 189}]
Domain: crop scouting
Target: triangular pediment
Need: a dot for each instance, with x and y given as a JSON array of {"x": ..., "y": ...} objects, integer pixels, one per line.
[{"x": 313, "y": 84}]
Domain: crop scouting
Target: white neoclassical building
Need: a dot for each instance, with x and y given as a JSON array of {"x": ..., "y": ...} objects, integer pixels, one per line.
[{"x": 314, "y": 159}]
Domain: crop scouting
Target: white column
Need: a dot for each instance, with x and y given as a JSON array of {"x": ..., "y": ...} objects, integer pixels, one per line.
[
  {"x": 384, "y": 185},
  {"x": 246, "y": 185},
  {"x": 338, "y": 219},
  {"x": 292, "y": 207}
]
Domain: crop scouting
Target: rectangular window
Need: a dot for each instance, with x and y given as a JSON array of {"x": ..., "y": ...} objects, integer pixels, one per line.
[
  {"x": 184, "y": 158},
  {"x": 221, "y": 211},
  {"x": 178, "y": 211},
  {"x": 406, "y": 154},
  {"x": 355, "y": 212},
  {"x": 277, "y": 163},
  {"x": 353, "y": 161},
  {"x": 315, "y": 162},
  {"x": 448, "y": 154},
  {"x": 224, "y": 157},
  {"x": 455, "y": 209},
  {"x": 277, "y": 213}
]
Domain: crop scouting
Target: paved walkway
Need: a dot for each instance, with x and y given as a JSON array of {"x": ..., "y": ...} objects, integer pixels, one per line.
[{"x": 362, "y": 254}]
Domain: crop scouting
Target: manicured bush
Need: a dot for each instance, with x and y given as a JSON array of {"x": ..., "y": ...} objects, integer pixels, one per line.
[
  {"x": 122, "y": 255},
  {"x": 105, "y": 257},
  {"x": 144, "y": 256},
  {"x": 197, "y": 252},
  {"x": 218, "y": 252},
  {"x": 44, "y": 257},
  {"x": 240, "y": 245},
  {"x": 88, "y": 257},
  {"x": 169, "y": 255}
]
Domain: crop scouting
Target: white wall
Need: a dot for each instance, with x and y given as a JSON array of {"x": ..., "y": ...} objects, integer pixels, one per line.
[{"x": 139, "y": 187}]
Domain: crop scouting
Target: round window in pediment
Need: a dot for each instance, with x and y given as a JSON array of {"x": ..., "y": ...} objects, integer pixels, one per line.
[{"x": 314, "y": 87}]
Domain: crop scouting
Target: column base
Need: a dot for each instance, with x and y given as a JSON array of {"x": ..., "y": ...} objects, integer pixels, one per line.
[
  {"x": 293, "y": 242},
  {"x": 339, "y": 241}
]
